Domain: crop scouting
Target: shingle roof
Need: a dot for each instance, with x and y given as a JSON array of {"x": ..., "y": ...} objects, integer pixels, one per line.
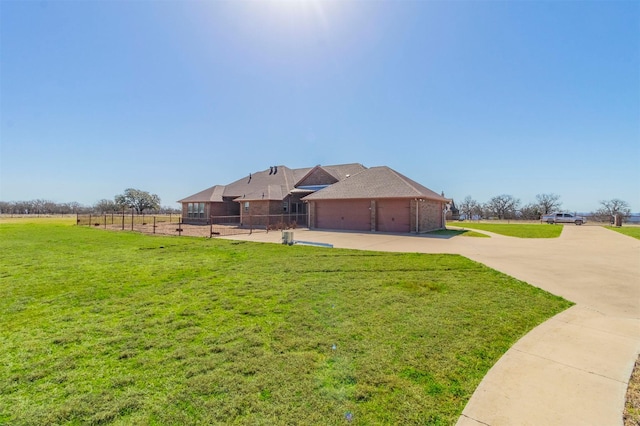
[
  {"x": 354, "y": 182},
  {"x": 342, "y": 171},
  {"x": 259, "y": 182},
  {"x": 270, "y": 192},
  {"x": 375, "y": 182},
  {"x": 210, "y": 194}
]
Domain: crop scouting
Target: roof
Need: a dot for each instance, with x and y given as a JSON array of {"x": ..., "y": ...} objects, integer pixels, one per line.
[
  {"x": 342, "y": 181},
  {"x": 375, "y": 182},
  {"x": 343, "y": 171},
  {"x": 270, "y": 192},
  {"x": 329, "y": 174},
  {"x": 208, "y": 195},
  {"x": 257, "y": 183}
]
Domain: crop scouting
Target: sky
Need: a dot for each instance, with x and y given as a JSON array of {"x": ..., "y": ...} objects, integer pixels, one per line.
[{"x": 469, "y": 98}]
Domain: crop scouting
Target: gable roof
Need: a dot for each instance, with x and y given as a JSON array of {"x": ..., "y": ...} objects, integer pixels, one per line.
[
  {"x": 208, "y": 195},
  {"x": 343, "y": 171},
  {"x": 328, "y": 175},
  {"x": 375, "y": 182}
]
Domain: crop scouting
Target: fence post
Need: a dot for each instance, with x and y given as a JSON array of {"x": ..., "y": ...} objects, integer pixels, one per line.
[
  {"x": 105, "y": 221},
  {"x": 132, "y": 219},
  {"x": 123, "y": 220},
  {"x": 154, "y": 224},
  {"x": 89, "y": 219}
]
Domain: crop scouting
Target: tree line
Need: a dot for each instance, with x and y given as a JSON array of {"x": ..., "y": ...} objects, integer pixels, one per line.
[
  {"x": 131, "y": 199},
  {"x": 508, "y": 207}
]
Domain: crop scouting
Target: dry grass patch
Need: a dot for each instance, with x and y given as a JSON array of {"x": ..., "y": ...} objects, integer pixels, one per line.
[{"x": 632, "y": 406}]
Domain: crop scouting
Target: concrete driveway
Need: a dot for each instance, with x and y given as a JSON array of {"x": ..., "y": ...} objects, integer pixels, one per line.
[{"x": 574, "y": 368}]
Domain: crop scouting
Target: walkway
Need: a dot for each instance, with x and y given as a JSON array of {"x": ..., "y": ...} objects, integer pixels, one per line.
[{"x": 572, "y": 369}]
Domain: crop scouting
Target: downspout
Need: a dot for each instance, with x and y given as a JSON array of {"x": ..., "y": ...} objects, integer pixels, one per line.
[{"x": 417, "y": 228}]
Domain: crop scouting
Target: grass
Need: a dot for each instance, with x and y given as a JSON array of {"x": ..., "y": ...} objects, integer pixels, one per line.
[
  {"x": 458, "y": 232},
  {"x": 528, "y": 230},
  {"x": 102, "y": 327},
  {"x": 631, "y": 231}
]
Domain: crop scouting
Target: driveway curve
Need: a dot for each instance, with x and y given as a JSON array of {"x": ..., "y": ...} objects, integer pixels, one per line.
[{"x": 574, "y": 368}]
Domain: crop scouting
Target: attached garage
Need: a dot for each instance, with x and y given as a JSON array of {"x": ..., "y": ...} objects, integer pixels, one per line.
[
  {"x": 352, "y": 214},
  {"x": 376, "y": 199},
  {"x": 393, "y": 215}
]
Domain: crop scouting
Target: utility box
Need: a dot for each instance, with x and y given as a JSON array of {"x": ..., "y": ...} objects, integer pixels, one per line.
[
  {"x": 287, "y": 237},
  {"x": 617, "y": 220}
]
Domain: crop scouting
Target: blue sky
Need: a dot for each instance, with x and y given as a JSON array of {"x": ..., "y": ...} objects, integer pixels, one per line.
[{"x": 476, "y": 98}]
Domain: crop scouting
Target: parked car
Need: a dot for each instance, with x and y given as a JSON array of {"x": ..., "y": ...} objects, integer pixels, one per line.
[{"x": 554, "y": 218}]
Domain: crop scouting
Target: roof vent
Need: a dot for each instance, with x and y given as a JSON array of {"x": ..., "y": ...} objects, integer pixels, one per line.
[
  {"x": 275, "y": 169},
  {"x": 270, "y": 170}
]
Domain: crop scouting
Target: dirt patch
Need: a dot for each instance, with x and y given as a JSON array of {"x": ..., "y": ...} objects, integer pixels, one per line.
[{"x": 632, "y": 406}]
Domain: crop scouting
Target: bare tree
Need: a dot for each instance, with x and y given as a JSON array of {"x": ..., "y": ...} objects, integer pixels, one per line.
[
  {"x": 469, "y": 207},
  {"x": 548, "y": 203},
  {"x": 530, "y": 211},
  {"x": 137, "y": 199},
  {"x": 612, "y": 208},
  {"x": 503, "y": 206},
  {"x": 106, "y": 206}
]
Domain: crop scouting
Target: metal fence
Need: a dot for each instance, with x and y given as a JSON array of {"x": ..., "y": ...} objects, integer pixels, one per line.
[
  {"x": 151, "y": 224},
  {"x": 247, "y": 224},
  {"x": 174, "y": 225}
]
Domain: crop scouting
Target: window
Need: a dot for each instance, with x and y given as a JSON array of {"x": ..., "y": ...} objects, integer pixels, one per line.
[
  {"x": 285, "y": 206},
  {"x": 246, "y": 206},
  {"x": 195, "y": 210}
]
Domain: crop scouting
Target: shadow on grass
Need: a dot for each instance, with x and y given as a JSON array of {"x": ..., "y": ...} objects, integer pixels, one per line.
[{"x": 450, "y": 233}]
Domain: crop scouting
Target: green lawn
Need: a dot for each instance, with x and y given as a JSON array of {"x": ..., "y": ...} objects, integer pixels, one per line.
[
  {"x": 524, "y": 230},
  {"x": 458, "y": 232},
  {"x": 631, "y": 231},
  {"x": 122, "y": 328}
]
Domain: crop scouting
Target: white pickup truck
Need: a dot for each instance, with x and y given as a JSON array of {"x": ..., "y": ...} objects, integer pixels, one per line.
[{"x": 554, "y": 218}]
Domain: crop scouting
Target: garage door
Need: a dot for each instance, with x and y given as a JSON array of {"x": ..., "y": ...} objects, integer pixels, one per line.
[
  {"x": 351, "y": 215},
  {"x": 393, "y": 216}
]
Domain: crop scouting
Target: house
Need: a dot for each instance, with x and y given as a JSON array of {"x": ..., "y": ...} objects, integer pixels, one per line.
[
  {"x": 453, "y": 213},
  {"x": 346, "y": 197}
]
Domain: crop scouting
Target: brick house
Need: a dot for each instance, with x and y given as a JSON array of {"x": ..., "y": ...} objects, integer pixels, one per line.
[{"x": 346, "y": 196}]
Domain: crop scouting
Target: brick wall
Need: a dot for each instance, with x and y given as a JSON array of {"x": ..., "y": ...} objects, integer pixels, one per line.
[{"x": 429, "y": 215}]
